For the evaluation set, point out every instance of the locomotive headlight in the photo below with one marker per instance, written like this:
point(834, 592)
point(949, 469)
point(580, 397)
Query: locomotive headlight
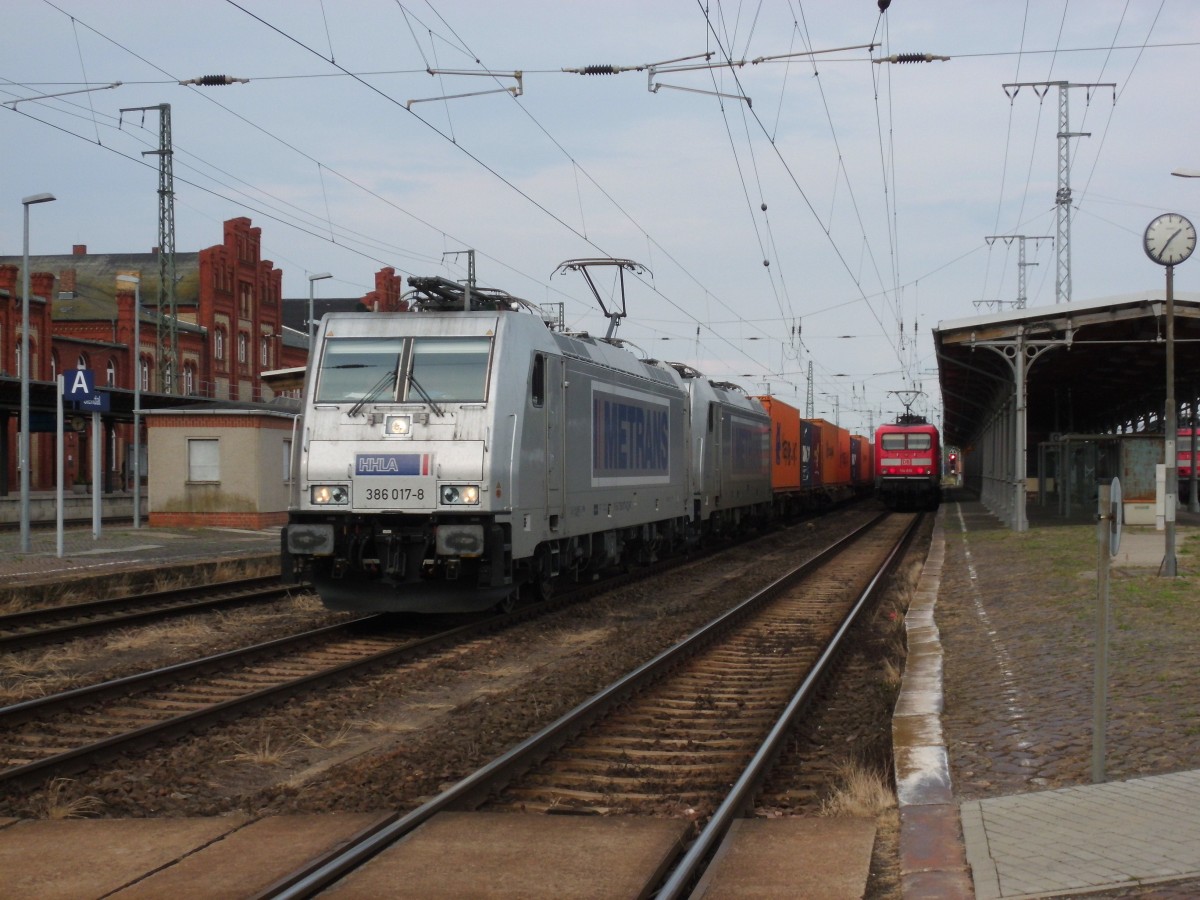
point(460, 494)
point(329, 495)
point(397, 424)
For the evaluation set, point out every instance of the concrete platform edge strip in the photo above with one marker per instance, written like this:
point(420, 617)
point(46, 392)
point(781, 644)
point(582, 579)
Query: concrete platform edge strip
point(933, 855)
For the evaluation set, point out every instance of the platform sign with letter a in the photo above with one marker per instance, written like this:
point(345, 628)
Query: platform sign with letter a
point(79, 386)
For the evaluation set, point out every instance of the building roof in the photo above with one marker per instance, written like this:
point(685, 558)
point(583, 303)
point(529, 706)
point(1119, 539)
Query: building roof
point(95, 294)
point(1090, 366)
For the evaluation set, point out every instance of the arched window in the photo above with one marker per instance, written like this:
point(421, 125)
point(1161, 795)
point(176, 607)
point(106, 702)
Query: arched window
point(110, 374)
point(189, 378)
point(219, 344)
point(241, 347)
point(265, 352)
point(53, 365)
point(82, 362)
point(144, 373)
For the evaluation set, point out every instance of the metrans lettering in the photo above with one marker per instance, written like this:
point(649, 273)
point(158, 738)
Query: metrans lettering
point(392, 463)
point(629, 436)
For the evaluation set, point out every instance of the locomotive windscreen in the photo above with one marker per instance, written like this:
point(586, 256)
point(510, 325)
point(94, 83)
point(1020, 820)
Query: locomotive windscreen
point(902, 440)
point(452, 368)
point(353, 368)
point(358, 369)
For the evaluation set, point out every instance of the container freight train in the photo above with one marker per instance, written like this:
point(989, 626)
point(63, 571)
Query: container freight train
point(908, 460)
point(450, 456)
point(814, 463)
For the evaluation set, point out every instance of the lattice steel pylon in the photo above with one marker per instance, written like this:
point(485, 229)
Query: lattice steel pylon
point(1019, 303)
point(168, 307)
point(808, 400)
point(1062, 197)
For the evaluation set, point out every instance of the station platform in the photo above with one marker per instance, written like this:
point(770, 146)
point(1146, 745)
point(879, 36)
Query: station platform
point(994, 748)
point(118, 549)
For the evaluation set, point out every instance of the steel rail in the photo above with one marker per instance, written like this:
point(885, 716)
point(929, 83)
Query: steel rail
point(80, 757)
point(741, 796)
point(248, 590)
point(325, 871)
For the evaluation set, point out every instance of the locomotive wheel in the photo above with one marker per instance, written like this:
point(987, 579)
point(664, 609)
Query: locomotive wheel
point(508, 604)
point(543, 583)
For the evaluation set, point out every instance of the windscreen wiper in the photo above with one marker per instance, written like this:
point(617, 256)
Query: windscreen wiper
point(412, 379)
point(388, 377)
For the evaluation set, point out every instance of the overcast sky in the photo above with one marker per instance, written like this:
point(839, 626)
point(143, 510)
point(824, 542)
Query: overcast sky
point(833, 217)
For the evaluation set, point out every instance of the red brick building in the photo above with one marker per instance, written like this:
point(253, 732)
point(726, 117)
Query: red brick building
point(229, 328)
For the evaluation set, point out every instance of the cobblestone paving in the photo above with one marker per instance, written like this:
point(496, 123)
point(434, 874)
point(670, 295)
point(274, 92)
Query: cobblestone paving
point(1017, 621)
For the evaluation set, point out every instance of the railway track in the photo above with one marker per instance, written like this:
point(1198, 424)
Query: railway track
point(33, 627)
point(712, 711)
point(49, 737)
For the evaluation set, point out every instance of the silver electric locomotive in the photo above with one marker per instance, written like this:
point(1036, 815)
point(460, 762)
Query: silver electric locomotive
point(449, 455)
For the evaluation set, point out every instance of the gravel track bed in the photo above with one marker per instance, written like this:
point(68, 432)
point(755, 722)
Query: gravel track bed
point(390, 740)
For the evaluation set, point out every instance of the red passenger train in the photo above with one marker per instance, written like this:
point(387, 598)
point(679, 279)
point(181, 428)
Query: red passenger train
point(908, 456)
point(1183, 459)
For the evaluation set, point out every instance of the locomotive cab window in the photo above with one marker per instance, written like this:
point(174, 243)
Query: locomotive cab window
point(910, 441)
point(355, 369)
point(450, 368)
point(388, 370)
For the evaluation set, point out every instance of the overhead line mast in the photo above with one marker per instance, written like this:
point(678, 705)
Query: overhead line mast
point(1062, 281)
point(168, 308)
point(1019, 303)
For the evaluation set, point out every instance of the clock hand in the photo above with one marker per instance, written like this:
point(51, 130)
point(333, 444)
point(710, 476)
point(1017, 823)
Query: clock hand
point(1178, 231)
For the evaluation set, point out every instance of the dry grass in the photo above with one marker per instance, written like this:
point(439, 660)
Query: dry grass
point(339, 739)
point(36, 673)
point(305, 604)
point(16, 688)
point(381, 726)
point(860, 791)
point(59, 806)
point(893, 675)
point(187, 629)
point(264, 754)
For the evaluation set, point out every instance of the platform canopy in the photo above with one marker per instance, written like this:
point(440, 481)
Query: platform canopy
point(1089, 367)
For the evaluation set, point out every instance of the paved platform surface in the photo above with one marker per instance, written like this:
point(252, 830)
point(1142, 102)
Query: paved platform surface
point(121, 548)
point(1141, 831)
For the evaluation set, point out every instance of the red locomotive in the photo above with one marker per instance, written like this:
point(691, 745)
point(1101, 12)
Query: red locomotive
point(908, 460)
point(1183, 451)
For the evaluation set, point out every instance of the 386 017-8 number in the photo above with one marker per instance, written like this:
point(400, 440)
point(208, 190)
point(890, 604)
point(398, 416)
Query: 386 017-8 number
point(395, 494)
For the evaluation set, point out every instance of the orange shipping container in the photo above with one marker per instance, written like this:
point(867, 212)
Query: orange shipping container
point(865, 471)
point(785, 444)
point(834, 450)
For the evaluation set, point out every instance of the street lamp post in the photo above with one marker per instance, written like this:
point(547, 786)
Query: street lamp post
point(23, 448)
point(136, 281)
point(312, 322)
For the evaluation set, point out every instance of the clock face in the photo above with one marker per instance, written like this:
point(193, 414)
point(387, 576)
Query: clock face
point(1169, 239)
